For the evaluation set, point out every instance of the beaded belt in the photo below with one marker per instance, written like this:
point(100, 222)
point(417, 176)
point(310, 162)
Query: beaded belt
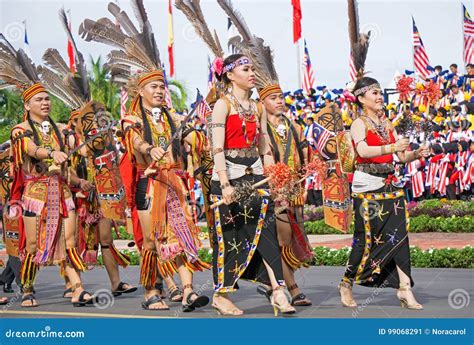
point(242, 153)
point(384, 168)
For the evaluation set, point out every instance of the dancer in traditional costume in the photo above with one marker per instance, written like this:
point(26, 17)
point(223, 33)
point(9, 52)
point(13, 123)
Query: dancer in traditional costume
point(11, 269)
point(154, 156)
point(288, 145)
point(245, 245)
point(380, 255)
point(103, 200)
point(40, 182)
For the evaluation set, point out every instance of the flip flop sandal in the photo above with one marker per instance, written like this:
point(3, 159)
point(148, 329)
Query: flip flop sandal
point(66, 292)
point(300, 301)
point(177, 292)
point(121, 289)
point(191, 305)
point(30, 298)
point(262, 290)
point(152, 300)
point(81, 302)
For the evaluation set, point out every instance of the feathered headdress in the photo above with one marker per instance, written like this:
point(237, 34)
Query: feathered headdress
point(137, 61)
point(359, 41)
point(254, 48)
point(72, 89)
point(17, 70)
point(193, 12)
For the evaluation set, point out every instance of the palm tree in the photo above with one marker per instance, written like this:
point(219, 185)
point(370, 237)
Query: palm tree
point(103, 89)
point(179, 95)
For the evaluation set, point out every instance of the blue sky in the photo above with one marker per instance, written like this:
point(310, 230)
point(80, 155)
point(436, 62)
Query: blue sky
point(324, 27)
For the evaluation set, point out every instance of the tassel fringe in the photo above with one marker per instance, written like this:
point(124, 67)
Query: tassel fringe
point(75, 260)
point(121, 259)
point(149, 269)
point(28, 272)
point(291, 260)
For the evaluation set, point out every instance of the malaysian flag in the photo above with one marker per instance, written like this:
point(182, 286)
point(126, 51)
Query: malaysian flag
point(468, 30)
point(203, 110)
point(308, 79)
point(320, 137)
point(420, 58)
point(352, 69)
point(123, 102)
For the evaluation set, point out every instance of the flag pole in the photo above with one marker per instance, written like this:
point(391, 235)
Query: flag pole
point(298, 62)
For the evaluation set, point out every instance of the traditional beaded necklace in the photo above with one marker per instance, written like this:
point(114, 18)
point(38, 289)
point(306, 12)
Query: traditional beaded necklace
point(246, 115)
point(162, 137)
point(380, 129)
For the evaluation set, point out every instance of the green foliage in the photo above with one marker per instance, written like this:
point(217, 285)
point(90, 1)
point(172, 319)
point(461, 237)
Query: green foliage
point(103, 89)
point(432, 258)
point(426, 223)
point(205, 254)
point(124, 235)
point(445, 257)
point(179, 95)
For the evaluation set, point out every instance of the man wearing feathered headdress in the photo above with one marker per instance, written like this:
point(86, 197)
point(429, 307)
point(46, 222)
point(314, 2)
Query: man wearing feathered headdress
point(40, 182)
point(164, 227)
point(101, 200)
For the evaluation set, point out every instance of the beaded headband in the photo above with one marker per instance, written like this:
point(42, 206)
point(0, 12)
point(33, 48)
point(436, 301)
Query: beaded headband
point(242, 61)
point(364, 89)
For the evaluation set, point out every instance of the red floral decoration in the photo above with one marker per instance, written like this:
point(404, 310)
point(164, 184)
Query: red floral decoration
point(405, 87)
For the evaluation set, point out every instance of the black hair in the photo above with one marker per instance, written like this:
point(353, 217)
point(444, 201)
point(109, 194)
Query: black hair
point(231, 58)
point(147, 130)
point(363, 82)
point(36, 139)
point(439, 67)
point(146, 126)
point(451, 147)
point(437, 149)
point(295, 136)
point(454, 65)
point(464, 145)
